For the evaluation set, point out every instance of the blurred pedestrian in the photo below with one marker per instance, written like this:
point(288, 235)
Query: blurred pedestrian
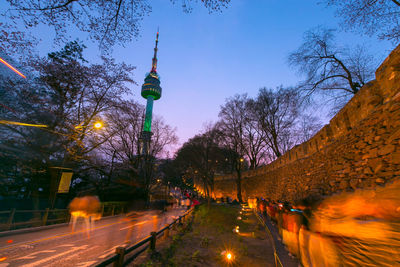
point(86, 207)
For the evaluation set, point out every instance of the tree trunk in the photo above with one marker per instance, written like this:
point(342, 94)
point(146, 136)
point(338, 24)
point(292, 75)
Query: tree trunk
point(239, 185)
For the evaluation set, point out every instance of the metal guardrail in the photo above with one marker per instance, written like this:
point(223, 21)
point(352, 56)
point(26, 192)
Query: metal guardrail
point(278, 262)
point(47, 216)
point(119, 260)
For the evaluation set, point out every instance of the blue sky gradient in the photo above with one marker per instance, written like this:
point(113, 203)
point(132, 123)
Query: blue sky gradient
point(205, 58)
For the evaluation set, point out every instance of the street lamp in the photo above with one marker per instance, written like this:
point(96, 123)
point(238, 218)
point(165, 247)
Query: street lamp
point(62, 182)
point(98, 125)
point(227, 255)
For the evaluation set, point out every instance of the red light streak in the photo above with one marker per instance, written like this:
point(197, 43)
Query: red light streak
point(12, 68)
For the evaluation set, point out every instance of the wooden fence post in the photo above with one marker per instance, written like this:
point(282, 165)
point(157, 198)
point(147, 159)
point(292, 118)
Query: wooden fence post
point(120, 261)
point(153, 240)
point(45, 216)
point(113, 207)
point(10, 219)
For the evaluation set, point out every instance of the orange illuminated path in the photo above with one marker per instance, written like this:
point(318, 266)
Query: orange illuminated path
point(59, 247)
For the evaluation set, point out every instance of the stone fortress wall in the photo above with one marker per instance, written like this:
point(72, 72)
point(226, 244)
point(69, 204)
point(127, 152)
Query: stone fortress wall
point(359, 148)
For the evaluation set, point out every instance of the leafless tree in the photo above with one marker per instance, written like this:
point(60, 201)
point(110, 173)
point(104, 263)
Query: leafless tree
point(307, 126)
point(256, 147)
point(329, 68)
point(125, 123)
point(232, 124)
point(380, 17)
point(163, 138)
point(277, 112)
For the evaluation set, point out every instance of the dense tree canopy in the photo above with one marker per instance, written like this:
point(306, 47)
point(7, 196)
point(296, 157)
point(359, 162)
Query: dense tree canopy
point(204, 156)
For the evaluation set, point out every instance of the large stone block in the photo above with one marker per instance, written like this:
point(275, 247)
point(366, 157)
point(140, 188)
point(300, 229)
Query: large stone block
point(387, 149)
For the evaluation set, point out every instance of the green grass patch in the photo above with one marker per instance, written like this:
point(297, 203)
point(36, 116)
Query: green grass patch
point(210, 233)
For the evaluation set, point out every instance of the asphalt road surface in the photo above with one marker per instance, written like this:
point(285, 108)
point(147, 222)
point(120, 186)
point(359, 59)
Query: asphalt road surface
point(60, 247)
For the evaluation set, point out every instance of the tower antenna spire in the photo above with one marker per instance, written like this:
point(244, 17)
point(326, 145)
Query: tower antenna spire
point(151, 91)
point(154, 64)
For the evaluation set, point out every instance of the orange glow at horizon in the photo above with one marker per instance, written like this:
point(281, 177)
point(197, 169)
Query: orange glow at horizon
point(12, 68)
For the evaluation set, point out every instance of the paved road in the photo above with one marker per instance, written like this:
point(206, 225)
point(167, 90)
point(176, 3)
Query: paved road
point(60, 247)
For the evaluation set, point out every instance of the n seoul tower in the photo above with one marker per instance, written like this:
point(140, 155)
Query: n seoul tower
point(151, 91)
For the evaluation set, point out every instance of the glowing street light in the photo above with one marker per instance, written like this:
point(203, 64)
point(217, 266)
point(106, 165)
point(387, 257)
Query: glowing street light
point(98, 125)
point(228, 256)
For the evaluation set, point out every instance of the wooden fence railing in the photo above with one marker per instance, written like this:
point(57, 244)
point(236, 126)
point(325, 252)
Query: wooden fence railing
point(122, 257)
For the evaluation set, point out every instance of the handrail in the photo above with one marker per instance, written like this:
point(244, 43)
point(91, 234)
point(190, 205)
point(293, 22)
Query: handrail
point(276, 257)
point(119, 258)
point(138, 244)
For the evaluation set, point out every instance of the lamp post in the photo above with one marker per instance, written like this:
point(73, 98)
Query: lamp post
point(58, 176)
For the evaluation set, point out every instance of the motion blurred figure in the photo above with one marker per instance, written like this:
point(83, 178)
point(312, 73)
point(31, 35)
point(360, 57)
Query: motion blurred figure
point(88, 208)
point(131, 218)
point(355, 229)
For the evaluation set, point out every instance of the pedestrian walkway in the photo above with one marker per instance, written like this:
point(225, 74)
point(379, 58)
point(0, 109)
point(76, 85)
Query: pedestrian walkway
point(284, 257)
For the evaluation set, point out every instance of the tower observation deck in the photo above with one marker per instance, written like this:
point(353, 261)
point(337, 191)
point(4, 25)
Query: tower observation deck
point(151, 91)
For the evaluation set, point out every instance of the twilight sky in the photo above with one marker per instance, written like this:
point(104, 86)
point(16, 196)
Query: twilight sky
point(205, 58)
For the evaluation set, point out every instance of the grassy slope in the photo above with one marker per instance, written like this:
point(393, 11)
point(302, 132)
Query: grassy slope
point(211, 233)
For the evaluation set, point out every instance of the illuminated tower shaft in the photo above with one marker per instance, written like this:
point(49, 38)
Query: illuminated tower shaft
point(151, 91)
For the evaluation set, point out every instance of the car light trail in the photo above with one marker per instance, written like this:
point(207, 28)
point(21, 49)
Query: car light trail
point(12, 68)
point(23, 124)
